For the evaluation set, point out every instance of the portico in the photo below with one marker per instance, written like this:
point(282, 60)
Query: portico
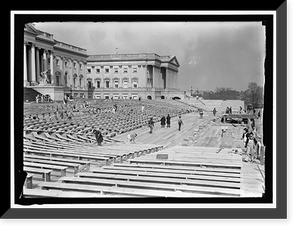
point(52, 63)
point(36, 61)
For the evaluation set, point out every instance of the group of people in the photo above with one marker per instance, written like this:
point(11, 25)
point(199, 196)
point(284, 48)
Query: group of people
point(252, 142)
point(163, 122)
point(42, 98)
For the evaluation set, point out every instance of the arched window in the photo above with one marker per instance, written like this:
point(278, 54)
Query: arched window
point(74, 80)
point(80, 80)
point(106, 82)
point(57, 78)
point(125, 82)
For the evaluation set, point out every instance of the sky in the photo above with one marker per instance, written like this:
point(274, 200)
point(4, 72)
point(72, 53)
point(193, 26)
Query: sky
point(211, 54)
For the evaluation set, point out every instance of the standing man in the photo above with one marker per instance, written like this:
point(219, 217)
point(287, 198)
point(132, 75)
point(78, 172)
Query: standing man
point(214, 111)
point(151, 125)
point(163, 122)
point(168, 120)
point(98, 136)
point(180, 122)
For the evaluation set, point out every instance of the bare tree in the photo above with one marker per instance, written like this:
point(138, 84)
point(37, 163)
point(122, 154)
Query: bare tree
point(253, 95)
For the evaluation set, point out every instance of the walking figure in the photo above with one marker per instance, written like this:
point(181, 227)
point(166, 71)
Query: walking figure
point(163, 122)
point(214, 111)
point(180, 122)
point(151, 125)
point(168, 120)
point(98, 136)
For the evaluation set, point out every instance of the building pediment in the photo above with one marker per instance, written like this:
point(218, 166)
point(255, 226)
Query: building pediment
point(30, 28)
point(174, 61)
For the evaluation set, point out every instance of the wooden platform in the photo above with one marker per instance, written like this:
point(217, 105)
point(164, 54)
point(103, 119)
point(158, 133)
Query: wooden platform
point(180, 172)
point(197, 161)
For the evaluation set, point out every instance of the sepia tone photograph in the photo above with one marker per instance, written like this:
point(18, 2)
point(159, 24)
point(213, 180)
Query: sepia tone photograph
point(144, 109)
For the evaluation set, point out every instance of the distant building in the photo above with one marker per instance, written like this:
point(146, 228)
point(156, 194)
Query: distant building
point(53, 67)
point(124, 76)
point(58, 69)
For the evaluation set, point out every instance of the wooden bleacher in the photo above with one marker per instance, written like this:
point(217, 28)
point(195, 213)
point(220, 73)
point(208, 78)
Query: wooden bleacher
point(187, 172)
point(202, 167)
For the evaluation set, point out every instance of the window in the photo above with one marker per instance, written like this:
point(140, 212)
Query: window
point(116, 70)
point(66, 63)
point(98, 84)
point(74, 65)
point(57, 62)
point(135, 84)
point(125, 70)
point(106, 70)
point(106, 84)
point(116, 83)
point(125, 83)
point(89, 84)
point(97, 70)
point(88, 70)
point(80, 66)
point(134, 70)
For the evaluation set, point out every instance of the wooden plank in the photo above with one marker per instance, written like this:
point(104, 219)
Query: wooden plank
point(115, 190)
point(46, 173)
point(175, 171)
point(35, 193)
point(66, 164)
point(183, 163)
point(212, 191)
point(62, 169)
point(163, 180)
point(168, 175)
point(64, 154)
point(42, 157)
point(215, 170)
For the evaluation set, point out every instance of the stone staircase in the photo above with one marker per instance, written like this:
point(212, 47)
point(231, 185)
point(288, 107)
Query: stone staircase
point(29, 94)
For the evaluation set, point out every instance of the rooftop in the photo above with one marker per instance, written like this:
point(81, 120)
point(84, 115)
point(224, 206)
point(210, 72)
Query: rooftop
point(134, 56)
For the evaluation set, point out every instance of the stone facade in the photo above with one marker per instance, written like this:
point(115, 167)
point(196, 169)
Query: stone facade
point(57, 68)
point(55, 64)
point(145, 75)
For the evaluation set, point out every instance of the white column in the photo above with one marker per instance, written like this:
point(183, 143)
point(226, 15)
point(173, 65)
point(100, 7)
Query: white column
point(33, 76)
point(153, 77)
point(25, 65)
point(44, 61)
point(51, 68)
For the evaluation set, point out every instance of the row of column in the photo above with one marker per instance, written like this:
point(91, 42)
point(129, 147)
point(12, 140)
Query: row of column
point(32, 64)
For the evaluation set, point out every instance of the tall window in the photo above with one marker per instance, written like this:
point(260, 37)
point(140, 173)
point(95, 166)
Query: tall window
point(116, 70)
point(88, 70)
point(134, 69)
point(97, 70)
point(125, 70)
point(98, 84)
point(106, 70)
point(135, 84)
point(116, 82)
point(106, 84)
point(125, 83)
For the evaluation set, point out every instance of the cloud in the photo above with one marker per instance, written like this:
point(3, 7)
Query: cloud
point(211, 54)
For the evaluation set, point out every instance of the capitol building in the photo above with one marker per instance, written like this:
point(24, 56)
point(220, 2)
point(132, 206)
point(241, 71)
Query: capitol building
point(58, 69)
